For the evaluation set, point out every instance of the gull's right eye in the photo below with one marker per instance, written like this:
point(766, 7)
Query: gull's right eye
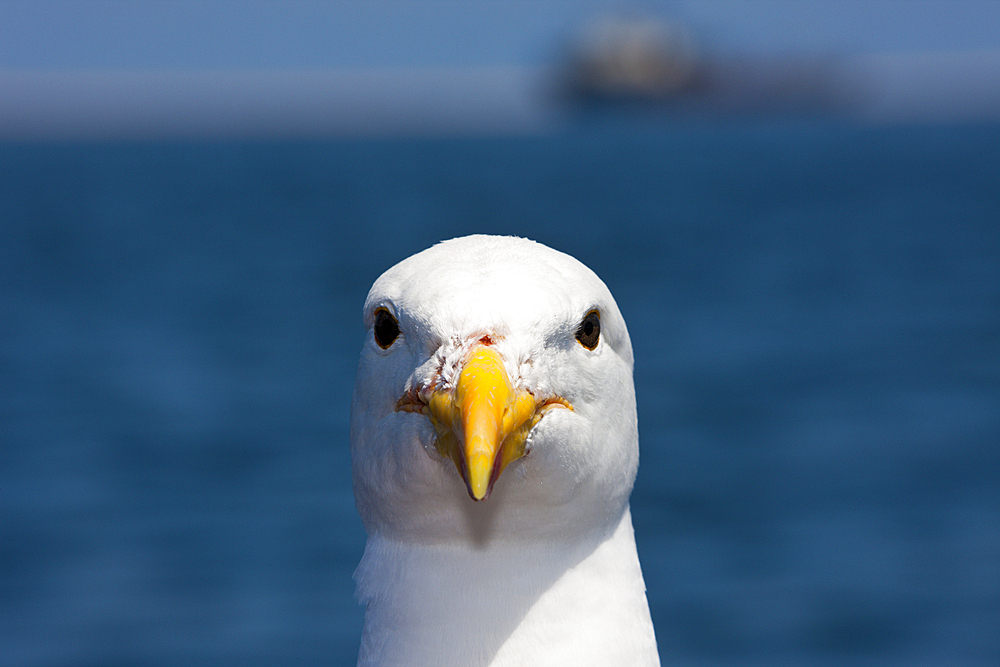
point(386, 328)
point(589, 331)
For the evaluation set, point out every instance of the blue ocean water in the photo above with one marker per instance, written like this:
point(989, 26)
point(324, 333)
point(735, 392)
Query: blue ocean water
point(814, 306)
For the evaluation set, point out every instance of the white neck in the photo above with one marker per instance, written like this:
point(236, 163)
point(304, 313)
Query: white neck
point(507, 603)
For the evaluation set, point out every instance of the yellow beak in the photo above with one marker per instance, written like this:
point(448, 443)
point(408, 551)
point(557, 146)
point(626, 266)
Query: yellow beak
point(482, 425)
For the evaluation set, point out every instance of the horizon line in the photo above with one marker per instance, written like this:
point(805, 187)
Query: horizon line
point(290, 103)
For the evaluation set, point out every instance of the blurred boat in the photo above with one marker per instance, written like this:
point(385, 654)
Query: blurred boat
point(650, 63)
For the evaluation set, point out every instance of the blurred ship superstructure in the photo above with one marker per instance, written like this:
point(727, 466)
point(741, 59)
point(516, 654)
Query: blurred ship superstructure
point(631, 59)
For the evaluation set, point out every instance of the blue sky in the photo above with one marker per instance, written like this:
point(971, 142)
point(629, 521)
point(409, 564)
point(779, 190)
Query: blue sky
point(187, 34)
point(141, 67)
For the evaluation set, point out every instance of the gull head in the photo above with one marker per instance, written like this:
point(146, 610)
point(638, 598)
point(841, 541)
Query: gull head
point(494, 396)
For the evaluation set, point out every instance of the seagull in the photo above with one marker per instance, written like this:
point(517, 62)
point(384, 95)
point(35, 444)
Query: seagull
point(494, 446)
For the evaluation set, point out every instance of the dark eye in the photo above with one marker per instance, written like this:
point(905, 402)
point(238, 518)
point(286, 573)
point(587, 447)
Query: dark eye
point(589, 332)
point(386, 328)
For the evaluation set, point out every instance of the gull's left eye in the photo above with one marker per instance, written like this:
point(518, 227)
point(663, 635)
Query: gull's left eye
point(386, 328)
point(589, 331)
